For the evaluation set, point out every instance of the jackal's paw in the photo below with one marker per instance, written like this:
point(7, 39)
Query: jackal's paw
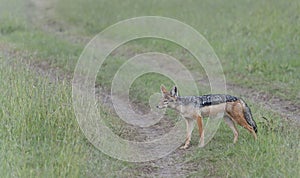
point(184, 147)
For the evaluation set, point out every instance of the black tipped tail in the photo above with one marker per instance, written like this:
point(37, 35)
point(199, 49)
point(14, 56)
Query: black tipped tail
point(248, 116)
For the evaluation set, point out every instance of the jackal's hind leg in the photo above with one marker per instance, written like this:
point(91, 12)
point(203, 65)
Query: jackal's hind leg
point(237, 114)
point(189, 130)
point(231, 124)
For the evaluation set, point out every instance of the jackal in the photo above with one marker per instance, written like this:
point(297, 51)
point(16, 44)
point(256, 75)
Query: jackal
point(196, 107)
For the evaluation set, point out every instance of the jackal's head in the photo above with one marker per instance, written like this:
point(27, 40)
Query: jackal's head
point(168, 99)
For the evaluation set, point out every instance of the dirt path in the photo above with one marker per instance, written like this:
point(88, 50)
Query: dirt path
point(41, 13)
point(173, 165)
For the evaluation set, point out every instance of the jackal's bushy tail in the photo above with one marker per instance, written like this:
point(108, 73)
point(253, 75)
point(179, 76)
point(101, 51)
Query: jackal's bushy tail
point(248, 116)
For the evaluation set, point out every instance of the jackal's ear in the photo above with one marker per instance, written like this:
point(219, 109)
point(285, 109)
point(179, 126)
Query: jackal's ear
point(174, 91)
point(163, 89)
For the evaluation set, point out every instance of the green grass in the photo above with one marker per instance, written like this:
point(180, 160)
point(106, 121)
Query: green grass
point(257, 44)
point(45, 47)
point(40, 137)
point(38, 129)
point(39, 134)
point(16, 30)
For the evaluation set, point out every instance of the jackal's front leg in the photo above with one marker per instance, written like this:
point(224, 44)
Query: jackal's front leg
point(201, 131)
point(189, 130)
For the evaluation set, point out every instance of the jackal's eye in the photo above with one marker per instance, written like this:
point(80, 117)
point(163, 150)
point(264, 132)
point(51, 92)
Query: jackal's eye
point(171, 99)
point(165, 101)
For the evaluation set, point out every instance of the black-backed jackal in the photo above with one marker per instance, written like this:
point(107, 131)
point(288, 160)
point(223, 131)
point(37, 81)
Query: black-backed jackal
point(196, 107)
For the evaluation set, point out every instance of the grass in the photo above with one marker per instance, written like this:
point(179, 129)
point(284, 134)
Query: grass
point(34, 125)
point(39, 134)
point(47, 47)
point(248, 48)
point(257, 44)
point(15, 29)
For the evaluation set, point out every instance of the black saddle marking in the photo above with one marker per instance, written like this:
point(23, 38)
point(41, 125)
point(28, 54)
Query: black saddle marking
point(207, 100)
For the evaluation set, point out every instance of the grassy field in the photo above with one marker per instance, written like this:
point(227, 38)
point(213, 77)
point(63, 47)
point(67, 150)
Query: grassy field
point(253, 40)
point(39, 134)
point(257, 44)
